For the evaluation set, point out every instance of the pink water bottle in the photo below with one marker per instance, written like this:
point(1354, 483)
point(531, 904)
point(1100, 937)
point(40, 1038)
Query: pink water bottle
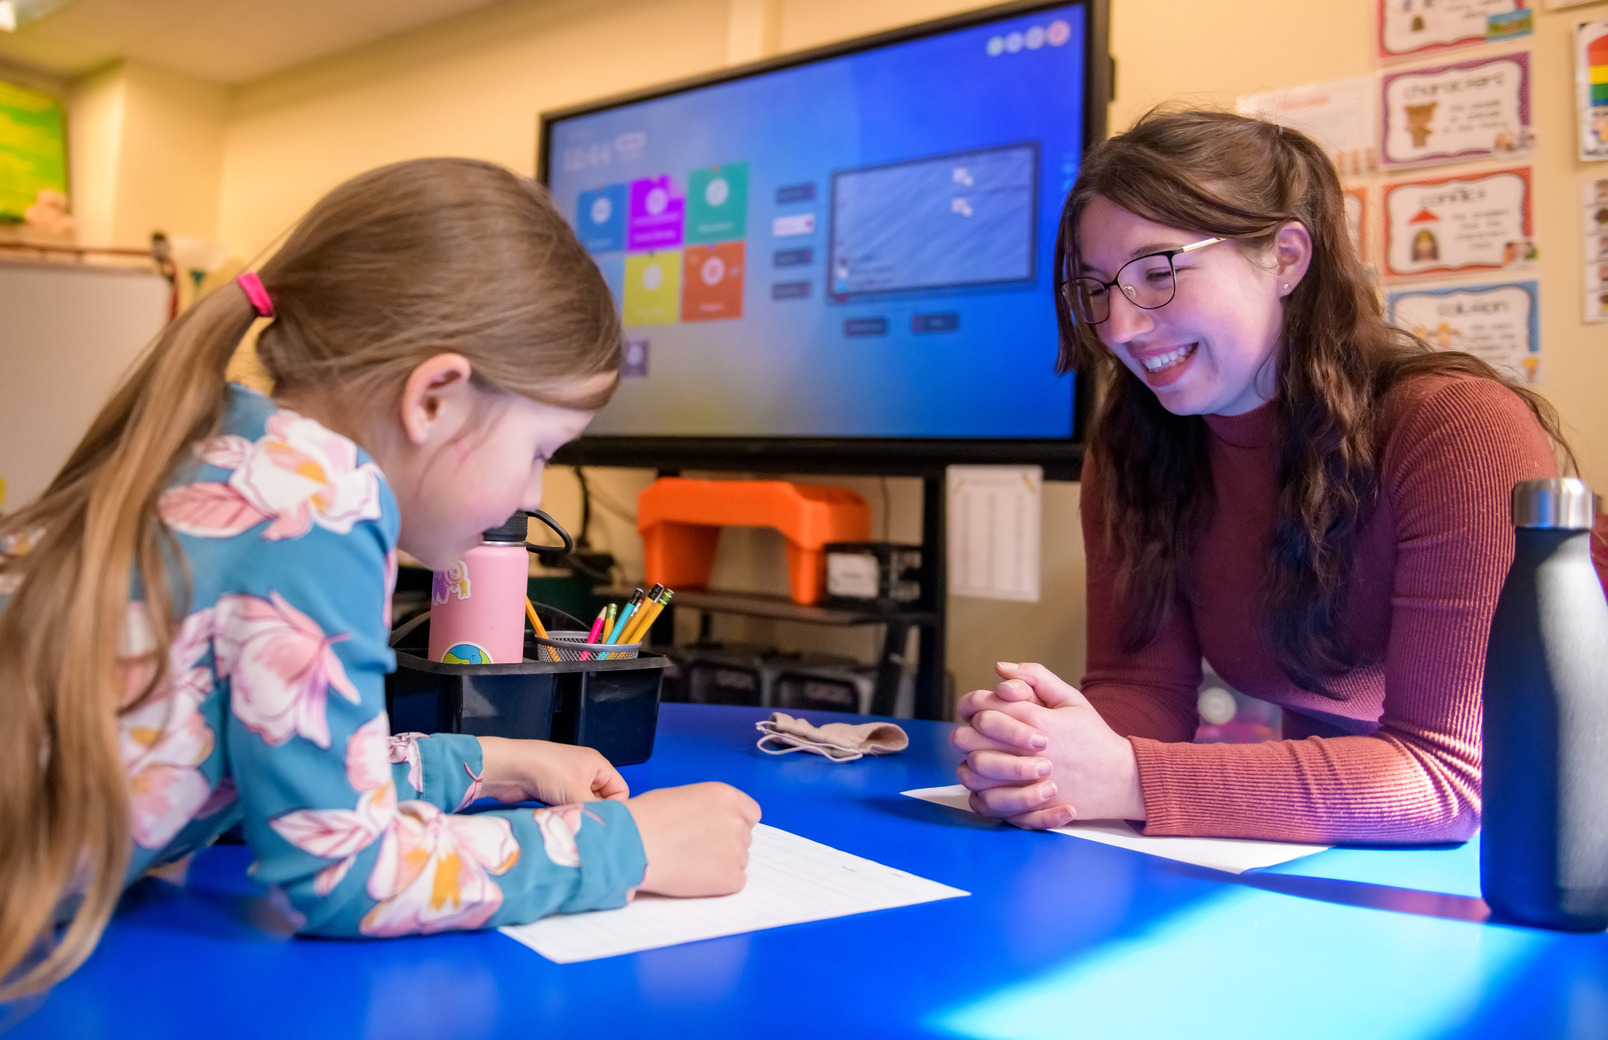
point(477, 608)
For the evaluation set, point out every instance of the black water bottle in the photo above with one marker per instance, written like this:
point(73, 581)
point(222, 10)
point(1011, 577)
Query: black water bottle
point(1544, 843)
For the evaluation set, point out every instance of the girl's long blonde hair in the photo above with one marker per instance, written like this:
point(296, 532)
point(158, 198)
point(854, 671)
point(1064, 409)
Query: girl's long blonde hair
point(392, 267)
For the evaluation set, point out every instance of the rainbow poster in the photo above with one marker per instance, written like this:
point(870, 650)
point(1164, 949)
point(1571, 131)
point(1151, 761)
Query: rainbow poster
point(1591, 70)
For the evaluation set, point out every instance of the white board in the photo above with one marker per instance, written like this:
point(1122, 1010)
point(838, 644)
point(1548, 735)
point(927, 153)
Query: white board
point(68, 332)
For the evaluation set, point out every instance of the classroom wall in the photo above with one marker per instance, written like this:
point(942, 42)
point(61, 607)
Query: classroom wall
point(146, 148)
point(473, 86)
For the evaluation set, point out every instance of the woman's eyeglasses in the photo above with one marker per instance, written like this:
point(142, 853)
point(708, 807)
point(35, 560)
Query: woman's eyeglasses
point(1152, 282)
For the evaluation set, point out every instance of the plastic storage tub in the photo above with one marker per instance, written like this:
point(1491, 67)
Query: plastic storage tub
point(610, 705)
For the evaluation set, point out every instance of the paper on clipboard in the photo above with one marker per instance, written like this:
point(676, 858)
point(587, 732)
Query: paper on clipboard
point(1235, 855)
point(790, 880)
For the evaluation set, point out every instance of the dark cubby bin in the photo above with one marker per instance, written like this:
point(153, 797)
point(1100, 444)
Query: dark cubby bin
point(612, 706)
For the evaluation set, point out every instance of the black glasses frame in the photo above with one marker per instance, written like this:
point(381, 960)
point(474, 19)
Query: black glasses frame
point(1131, 292)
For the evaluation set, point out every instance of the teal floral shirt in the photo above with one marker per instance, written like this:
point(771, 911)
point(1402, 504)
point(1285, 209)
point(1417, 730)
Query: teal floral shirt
point(273, 713)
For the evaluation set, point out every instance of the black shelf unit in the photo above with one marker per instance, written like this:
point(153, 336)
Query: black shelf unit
point(926, 615)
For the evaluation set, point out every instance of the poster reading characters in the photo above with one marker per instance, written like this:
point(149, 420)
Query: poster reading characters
point(1412, 27)
point(1477, 222)
point(1591, 78)
point(1452, 113)
point(1499, 323)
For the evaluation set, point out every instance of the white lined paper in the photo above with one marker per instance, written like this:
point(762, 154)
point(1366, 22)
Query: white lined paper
point(791, 880)
point(1235, 855)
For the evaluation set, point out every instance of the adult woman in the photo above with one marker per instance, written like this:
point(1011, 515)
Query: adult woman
point(1279, 480)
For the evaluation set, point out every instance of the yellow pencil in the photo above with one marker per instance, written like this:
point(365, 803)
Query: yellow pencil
point(541, 630)
point(646, 617)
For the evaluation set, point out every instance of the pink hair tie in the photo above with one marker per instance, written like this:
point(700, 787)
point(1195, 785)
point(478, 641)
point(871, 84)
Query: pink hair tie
point(256, 294)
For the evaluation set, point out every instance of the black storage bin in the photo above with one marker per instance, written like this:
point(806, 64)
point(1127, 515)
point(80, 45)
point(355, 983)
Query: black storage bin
point(612, 706)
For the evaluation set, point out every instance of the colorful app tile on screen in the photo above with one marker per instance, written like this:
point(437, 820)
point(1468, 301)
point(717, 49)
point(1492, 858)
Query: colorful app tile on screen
point(653, 288)
point(657, 209)
point(717, 203)
point(712, 282)
point(634, 358)
point(600, 218)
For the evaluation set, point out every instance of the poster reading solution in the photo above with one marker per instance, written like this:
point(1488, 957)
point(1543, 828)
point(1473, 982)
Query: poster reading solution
point(1409, 27)
point(1451, 113)
point(1498, 323)
point(1478, 222)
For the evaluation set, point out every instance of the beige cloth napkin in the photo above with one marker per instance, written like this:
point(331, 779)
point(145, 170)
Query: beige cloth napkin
point(838, 741)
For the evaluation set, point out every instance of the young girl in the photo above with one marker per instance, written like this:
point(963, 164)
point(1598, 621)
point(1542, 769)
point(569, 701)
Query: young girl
point(1276, 479)
point(196, 631)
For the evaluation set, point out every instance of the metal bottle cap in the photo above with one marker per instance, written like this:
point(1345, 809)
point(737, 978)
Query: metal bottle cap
point(1555, 502)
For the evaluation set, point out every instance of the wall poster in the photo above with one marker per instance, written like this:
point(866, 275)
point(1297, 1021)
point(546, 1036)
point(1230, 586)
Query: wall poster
point(1415, 27)
point(33, 149)
point(1499, 323)
point(1594, 229)
point(1340, 115)
point(1591, 78)
point(1475, 222)
point(1356, 203)
point(1452, 113)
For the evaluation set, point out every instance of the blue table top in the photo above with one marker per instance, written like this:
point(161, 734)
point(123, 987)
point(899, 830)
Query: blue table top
point(1060, 937)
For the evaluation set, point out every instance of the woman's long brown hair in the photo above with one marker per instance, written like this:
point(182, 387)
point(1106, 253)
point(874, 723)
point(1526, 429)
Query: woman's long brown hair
point(1238, 178)
point(390, 268)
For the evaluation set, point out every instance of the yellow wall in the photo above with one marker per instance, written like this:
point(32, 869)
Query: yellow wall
point(472, 88)
point(146, 147)
point(475, 85)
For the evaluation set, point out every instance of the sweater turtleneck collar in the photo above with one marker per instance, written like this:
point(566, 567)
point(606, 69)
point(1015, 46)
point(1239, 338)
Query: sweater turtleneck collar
point(1253, 429)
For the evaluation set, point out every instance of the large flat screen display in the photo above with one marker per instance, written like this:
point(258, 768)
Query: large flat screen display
point(853, 245)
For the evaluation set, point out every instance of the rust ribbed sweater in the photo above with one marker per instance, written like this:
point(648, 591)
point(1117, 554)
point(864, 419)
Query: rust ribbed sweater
point(1397, 757)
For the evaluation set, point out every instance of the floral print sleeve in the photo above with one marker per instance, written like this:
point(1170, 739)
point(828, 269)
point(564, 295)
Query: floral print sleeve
point(278, 705)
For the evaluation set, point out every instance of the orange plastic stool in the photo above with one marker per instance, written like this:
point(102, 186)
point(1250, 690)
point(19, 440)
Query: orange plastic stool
point(680, 521)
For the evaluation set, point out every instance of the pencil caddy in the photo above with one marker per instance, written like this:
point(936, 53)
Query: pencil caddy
point(610, 703)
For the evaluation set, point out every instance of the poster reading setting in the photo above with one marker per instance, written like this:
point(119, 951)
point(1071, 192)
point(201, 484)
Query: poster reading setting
point(1408, 27)
point(1451, 113)
point(1499, 323)
point(1479, 222)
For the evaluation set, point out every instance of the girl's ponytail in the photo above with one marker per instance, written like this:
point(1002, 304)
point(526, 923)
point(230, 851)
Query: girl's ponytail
point(66, 561)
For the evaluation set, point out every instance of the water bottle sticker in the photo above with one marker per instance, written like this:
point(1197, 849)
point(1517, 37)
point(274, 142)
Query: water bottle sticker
point(466, 653)
point(449, 583)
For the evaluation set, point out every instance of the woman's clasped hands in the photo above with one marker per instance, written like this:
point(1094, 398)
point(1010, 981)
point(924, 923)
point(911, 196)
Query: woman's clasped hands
point(1039, 755)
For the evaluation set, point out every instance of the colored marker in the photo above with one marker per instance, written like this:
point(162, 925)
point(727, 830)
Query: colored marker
point(597, 629)
point(631, 632)
point(625, 618)
point(597, 626)
point(596, 636)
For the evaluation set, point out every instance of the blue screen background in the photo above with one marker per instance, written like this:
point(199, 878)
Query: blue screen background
point(732, 325)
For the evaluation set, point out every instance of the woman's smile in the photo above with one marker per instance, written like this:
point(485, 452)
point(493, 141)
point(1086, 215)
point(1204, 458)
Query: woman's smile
point(1165, 368)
